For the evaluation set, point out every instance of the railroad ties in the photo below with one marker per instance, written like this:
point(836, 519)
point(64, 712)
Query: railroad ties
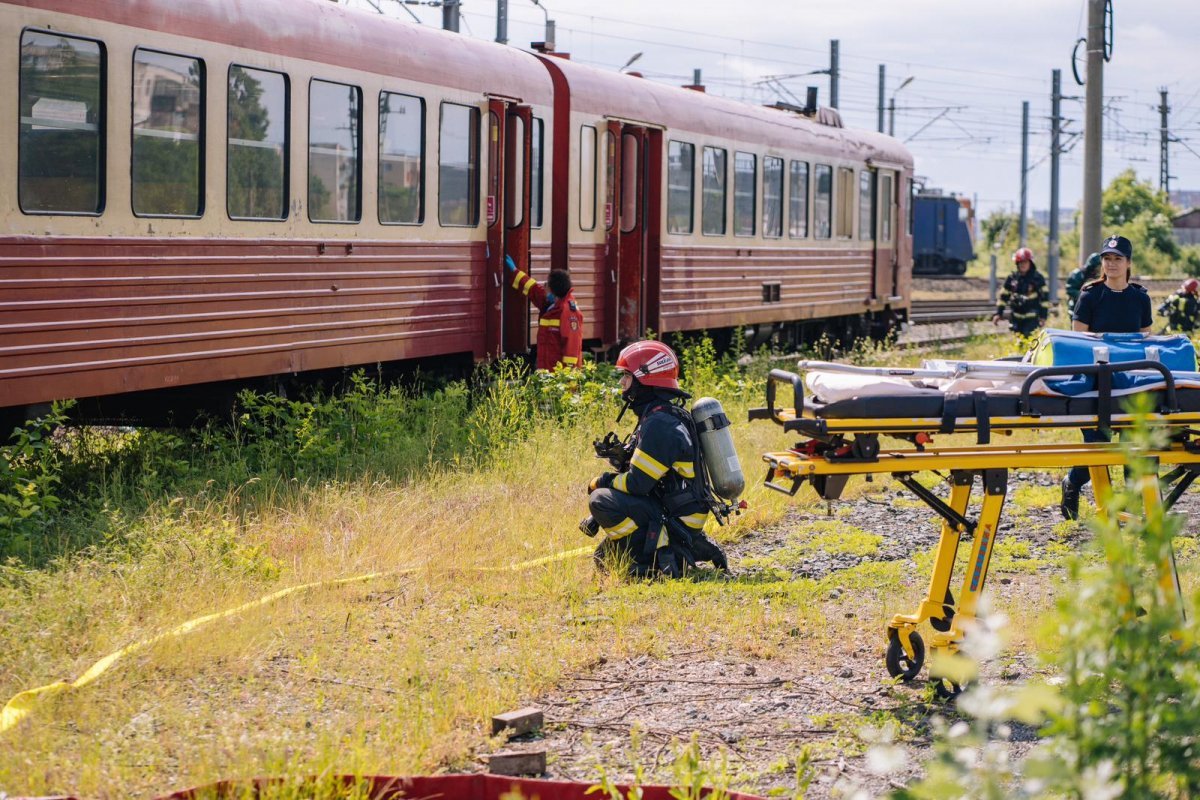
point(953, 310)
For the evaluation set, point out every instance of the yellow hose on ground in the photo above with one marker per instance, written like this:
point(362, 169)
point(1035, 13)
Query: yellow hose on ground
point(21, 705)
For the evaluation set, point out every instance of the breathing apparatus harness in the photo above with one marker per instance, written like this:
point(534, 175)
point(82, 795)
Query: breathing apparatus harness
point(698, 495)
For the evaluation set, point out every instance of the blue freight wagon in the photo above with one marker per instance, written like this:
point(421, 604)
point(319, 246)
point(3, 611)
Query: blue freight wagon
point(943, 234)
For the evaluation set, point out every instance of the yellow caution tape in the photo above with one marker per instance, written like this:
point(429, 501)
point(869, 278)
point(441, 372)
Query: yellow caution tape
point(22, 704)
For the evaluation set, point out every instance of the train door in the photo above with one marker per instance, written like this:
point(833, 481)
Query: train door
point(631, 215)
point(510, 140)
point(886, 252)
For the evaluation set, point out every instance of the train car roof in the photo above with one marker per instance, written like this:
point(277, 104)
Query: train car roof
point(322, 31)
point(632, 98)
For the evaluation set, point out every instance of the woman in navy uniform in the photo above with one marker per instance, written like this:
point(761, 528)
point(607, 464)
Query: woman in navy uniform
point(1111, 304)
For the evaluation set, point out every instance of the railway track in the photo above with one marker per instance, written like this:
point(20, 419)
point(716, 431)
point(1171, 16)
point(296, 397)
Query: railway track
point(953, 310)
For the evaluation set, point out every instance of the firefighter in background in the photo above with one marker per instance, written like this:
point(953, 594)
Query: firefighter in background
point(1182, 309)
point(1025, 296)
point(653, 511)
point(560, 322)
point(1090, 271)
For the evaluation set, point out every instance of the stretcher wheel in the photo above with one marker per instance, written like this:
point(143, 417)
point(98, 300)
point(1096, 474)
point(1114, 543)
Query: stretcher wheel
point(946, 689)
point(899, 665)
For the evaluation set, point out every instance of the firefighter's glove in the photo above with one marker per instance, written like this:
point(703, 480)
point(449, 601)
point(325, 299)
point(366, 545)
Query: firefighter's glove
point(509, 265)
point(601, 481)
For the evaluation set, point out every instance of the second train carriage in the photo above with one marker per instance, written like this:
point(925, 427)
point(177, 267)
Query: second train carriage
point(688, 212)
point(207, 193)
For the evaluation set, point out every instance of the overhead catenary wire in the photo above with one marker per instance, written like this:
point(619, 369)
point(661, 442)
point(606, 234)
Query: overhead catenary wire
point(987, 125)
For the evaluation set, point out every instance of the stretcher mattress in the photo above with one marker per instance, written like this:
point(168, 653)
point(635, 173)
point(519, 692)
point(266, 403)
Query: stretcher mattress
point(934, 404)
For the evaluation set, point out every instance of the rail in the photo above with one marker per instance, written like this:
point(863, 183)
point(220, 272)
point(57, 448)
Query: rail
point(955, 310)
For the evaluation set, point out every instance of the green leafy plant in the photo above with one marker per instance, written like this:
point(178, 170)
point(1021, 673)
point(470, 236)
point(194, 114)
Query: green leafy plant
point(30, 476)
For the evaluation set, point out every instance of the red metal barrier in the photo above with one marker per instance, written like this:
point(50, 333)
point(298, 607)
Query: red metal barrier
point(441, 787)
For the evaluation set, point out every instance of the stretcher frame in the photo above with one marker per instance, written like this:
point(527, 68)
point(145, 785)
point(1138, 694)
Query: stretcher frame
point(836, 449)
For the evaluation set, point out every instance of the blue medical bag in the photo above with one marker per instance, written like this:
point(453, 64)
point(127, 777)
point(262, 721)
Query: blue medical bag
point(1060, 348)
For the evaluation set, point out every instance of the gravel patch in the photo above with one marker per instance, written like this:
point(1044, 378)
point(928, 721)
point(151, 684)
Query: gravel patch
point(761, 713)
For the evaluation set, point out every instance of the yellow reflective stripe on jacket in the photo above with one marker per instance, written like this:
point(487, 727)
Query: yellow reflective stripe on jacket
point(622, 529)
point(684, 469)
point(695, 520)
point(518, 276)
point(647, 464)
point(663, 538)
point(569, 359)
point(619, 482)
point(529, 284)
point(550, 323)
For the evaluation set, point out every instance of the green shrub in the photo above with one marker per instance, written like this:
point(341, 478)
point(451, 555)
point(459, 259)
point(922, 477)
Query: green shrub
point(30, 475)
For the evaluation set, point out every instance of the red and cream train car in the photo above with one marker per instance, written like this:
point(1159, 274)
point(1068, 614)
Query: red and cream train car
point(209, 193)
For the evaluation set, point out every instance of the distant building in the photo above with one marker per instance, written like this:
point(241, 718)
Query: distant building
point(1185, 198)
point(1187, 226)
point(1066, 218)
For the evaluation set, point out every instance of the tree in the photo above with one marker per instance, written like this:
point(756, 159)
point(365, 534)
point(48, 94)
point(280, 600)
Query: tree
point(1142, 214)
point(1001, 234)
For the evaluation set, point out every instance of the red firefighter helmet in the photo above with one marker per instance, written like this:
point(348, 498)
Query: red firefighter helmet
point(1191, 286)
point(1023, 254)
point(652, 363)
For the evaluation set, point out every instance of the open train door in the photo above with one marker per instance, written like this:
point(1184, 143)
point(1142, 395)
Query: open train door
point(510, 140)
point(886, 223)
point(631, 215)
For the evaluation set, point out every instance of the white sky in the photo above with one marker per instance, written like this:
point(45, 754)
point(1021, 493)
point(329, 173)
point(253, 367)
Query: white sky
point(972, 64)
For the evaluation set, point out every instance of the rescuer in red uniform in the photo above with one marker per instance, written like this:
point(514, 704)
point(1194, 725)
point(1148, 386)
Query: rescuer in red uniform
point(560, 322)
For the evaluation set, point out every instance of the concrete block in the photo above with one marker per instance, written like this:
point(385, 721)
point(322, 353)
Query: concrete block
point(521, 721)
point(508, 762)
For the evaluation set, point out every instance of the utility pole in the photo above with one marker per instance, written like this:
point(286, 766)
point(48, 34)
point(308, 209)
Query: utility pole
point(1055, 134)
point(502, 21)
point(1164, 138)
point(450, 15)
point(1093, 130)
point(881, 81)
point(1023, 227)
point(833, 73)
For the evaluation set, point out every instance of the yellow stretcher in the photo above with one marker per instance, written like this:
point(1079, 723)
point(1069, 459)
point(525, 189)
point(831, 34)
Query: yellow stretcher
point(837, 445)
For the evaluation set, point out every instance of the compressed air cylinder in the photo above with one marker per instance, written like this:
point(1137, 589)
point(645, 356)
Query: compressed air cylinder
point(716, 444)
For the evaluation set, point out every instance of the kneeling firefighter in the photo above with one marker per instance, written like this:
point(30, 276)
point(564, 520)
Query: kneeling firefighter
point(672, 472)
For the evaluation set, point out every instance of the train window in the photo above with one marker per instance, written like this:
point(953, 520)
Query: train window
point(401, 159)
point(536, 175)
point(168, 123)
point(823, 201)
point(514, 166)
point(887, 207)
point(681, 186)
point(844, 202)
point(798, 200)
point(629, 182)
point(61, 142)
point(866, 205)
point(256, 176)
point(458, 166)
point(745, 176)
point(587, 178)
point(712, 208)
point(772, 197)
point(334, 152)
